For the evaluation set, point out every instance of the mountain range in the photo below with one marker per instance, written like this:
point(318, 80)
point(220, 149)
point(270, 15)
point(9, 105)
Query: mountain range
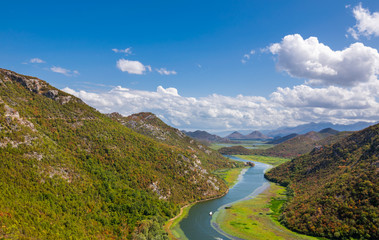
point(255, 135)
point(206, 137)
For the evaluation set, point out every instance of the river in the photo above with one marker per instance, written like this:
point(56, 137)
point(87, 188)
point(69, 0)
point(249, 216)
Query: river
point(198, 226)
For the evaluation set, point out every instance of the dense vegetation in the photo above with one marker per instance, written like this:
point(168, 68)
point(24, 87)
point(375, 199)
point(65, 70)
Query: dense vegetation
point(335, 190)
point(302, 144)
point(70, 172)
point(235, 150)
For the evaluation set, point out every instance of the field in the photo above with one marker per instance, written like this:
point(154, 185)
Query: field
point(230, 176)
point(257, 218)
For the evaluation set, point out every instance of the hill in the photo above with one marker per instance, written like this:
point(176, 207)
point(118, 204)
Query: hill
point(204, 136)
point(148, 124)
point(235, 150)
point(68, 171)
point(335, 189)
point(278, 140)
point(309, 127)
point(255, 135)
point(301, 144)
point(235, 135)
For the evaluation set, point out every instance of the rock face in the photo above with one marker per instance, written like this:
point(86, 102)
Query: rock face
point(36, 85)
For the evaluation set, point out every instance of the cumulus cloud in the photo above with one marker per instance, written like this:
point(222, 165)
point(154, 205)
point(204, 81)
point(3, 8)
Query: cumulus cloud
point(367, 23)
point(132, 67)
point(310, 59)
point(36, 60)
point(127, 51)
point(64, 71)
point(164, 71)
point(285, 106)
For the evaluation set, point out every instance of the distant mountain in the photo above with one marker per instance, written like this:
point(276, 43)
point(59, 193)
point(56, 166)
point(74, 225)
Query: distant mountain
point(278, 140)
point(69, 172)
point(235, 150)
point(255, 135)
point(206, 137)
point(334, 189)
point(301, 144)
point(302, 129)
point(329, 130)
point(235, 135)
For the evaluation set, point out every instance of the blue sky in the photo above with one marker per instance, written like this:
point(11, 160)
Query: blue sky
point(203, 64)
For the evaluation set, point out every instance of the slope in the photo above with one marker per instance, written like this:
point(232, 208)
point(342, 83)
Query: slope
point(206, 137)
point(68, 171)
point(301, 144)
point(335, 189)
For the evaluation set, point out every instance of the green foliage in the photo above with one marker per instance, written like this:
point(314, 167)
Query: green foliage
point(301, 144)
point(70, 172)
point(335, 190)
point(235, 150)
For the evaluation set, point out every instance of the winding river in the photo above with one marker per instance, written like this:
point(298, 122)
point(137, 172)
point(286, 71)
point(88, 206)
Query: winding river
point(198, 225)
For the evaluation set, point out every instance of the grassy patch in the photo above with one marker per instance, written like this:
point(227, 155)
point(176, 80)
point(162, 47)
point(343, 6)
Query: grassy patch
point(230, 176)
point(275, 161)
point(172, 227)
point(257, 218)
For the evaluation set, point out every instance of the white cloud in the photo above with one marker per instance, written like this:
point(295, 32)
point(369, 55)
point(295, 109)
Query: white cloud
point(367, 23)
point(164, 71)
point(64, 71)
point(310, 59)
point(247, 56)
point(132, 67)
point(36, 60)
point(285, 106)
point(127, 51)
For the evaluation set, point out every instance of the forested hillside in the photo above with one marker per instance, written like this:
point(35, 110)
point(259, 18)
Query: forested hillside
point(150, 125)
point(68, 171)
point(335, 190)
point(302, 144)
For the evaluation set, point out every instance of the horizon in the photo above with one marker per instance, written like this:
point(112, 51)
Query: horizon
point(246, 65)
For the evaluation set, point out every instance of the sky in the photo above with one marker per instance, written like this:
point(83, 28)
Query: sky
point(209, 65)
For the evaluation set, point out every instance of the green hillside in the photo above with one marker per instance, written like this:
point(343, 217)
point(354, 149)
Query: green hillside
point(301, 144)
point(335, 189)
point(148, 124)
point(70, 172)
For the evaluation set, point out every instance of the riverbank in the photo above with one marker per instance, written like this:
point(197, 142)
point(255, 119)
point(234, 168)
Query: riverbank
point(230, 176)
point(257, 218)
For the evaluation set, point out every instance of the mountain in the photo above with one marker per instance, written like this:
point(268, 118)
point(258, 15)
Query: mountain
point(278, 140)
point(235, 135)
point(329, 130)
point(334, 188)
point(302, 129)
point(301, 144)
point(150, 125)
point(206, 137)
point(255, 135)
point(68, 171)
